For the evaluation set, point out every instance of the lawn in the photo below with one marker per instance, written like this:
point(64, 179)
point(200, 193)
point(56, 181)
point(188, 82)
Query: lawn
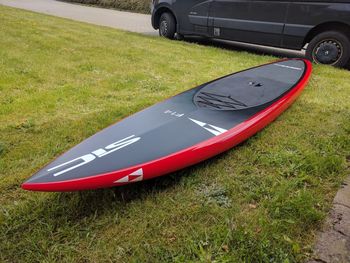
point(62, 81)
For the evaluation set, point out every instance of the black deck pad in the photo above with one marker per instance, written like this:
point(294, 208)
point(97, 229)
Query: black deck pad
point(248, 89)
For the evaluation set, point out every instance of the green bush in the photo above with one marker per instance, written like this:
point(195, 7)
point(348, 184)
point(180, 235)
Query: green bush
point(141, 6)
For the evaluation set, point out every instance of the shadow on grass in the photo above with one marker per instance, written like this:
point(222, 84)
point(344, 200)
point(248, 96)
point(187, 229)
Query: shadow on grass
point(245, 47)
point(86, 203)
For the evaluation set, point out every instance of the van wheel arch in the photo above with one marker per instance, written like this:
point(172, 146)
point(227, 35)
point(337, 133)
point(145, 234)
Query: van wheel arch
point(328, 26)
point(159, 13)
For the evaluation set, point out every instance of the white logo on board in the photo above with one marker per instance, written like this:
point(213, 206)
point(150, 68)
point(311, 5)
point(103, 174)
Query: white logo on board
point(133, 177)
point(87, 158)
point(174, 113)
point(210, 128)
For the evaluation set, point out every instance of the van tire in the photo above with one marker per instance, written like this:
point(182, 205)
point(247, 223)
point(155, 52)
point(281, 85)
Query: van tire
point(329, 47)
point(167, 25)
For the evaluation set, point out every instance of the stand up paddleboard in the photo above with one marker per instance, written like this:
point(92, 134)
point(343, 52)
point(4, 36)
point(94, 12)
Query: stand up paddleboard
point(181, 131)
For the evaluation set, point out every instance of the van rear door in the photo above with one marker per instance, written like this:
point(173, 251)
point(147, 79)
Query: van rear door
point(252, 21)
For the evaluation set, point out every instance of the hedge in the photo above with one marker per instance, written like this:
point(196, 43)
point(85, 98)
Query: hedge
point(140, 6)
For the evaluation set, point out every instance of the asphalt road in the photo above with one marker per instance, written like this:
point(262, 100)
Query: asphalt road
point(139, 23)
point(133, 22)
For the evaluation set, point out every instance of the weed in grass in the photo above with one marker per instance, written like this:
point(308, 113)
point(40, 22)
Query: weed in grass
point(213, 194)
point(2, 148)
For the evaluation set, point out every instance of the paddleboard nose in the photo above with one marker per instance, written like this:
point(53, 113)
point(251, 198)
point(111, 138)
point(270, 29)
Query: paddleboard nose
point(42, 185)
point(32, 187)
point(36, 183)
point(28, 186)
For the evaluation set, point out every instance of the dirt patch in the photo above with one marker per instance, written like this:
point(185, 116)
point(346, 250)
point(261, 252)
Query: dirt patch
point(333, 243)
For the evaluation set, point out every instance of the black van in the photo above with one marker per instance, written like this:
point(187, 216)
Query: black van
point(322, 26)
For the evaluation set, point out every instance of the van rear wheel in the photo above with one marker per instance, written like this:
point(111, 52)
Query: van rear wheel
point(330, 48)
point(167, 26)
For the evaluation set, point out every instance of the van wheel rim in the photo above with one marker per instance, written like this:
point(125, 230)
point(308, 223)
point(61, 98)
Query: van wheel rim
point(163, 28)
point(327, 52)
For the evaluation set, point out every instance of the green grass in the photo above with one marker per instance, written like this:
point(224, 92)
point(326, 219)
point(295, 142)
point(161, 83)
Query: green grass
point(62, 81)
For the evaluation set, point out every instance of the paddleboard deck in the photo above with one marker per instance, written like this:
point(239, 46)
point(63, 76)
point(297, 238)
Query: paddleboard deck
point(178, 132)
